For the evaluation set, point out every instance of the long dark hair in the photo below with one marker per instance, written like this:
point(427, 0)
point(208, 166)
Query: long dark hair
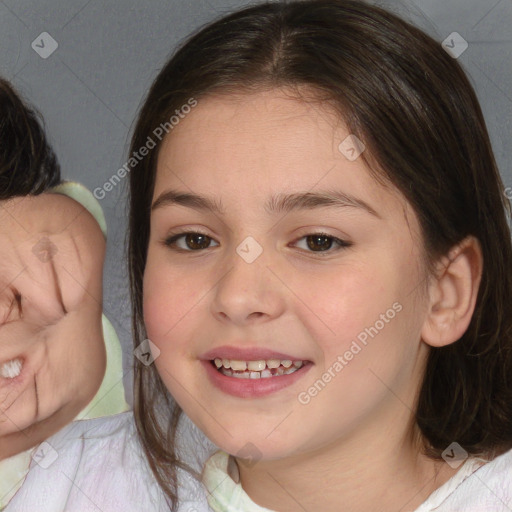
point(415, 110)
point(28, 165)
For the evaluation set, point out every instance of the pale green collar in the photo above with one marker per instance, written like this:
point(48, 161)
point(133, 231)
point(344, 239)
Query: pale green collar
point(85, 197)
point(224, 493)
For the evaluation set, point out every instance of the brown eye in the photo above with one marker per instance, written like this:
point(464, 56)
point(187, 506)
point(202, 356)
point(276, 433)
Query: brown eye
point(197, 241)
point(319, 242)
point(190, 242)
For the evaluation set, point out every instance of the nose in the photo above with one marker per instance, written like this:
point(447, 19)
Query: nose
point(248, 292)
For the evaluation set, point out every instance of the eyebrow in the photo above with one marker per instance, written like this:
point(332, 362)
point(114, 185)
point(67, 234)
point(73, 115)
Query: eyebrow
point(280, 203)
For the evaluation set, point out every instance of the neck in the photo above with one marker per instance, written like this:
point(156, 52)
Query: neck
point(369, 470)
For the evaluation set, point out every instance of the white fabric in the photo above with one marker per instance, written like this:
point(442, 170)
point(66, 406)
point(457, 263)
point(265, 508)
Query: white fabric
point(476, 487)
point(101, 467)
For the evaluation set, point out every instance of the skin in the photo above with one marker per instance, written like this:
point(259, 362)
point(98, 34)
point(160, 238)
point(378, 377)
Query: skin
point(50, 314)
point(356, 438)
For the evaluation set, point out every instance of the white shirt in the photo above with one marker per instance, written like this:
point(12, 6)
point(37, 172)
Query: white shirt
point(98, 465)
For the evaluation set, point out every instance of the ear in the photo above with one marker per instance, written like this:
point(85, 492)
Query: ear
point(453, 293)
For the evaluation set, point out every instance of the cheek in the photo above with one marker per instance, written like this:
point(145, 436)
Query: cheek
point(364, 310)
point(169, 299)
point(338, 305)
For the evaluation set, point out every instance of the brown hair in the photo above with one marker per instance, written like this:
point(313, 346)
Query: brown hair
point(414, 108)
point(28, 165)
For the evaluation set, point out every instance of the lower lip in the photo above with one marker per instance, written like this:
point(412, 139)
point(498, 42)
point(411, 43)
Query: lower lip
point(252, 388)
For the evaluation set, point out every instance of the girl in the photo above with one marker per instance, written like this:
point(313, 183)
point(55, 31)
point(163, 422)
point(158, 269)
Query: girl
point(319, 259)
point(320, 256)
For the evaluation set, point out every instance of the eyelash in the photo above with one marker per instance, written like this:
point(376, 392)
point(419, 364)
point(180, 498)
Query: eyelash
point(341, 244)
point(11, 306)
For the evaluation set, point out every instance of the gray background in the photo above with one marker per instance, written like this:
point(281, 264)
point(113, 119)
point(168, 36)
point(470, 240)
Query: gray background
point(90, 88)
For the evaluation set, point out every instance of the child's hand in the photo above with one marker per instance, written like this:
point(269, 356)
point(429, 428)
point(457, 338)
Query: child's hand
point(51, 260)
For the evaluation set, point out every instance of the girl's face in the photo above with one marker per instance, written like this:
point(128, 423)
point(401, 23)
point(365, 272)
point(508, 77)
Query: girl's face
point(271, 245)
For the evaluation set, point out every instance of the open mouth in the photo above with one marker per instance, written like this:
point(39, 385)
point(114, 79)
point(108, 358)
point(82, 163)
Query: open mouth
point(11, 369)
point(259, 369)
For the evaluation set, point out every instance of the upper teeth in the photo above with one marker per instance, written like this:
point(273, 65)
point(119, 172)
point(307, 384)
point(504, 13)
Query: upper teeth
point(11, 369)
point(255, 366)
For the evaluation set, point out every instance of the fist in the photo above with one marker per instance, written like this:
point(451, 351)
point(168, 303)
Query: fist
point(52, 353)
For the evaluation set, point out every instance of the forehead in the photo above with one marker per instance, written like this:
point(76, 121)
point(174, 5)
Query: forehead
point(258, 144)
